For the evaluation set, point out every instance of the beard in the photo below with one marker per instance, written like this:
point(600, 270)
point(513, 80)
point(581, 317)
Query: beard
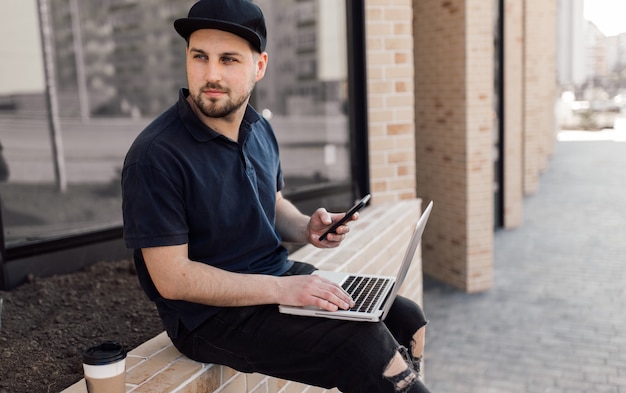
point(213, 109)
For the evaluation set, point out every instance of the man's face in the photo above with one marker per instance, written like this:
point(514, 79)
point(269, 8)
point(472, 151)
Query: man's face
point(222, 70)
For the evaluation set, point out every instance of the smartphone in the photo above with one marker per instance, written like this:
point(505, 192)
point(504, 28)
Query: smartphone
point(359, 205)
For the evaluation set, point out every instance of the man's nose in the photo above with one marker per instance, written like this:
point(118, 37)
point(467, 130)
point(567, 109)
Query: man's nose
point(212, 72)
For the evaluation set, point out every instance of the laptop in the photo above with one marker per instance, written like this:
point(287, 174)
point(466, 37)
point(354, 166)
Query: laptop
point(373, 294)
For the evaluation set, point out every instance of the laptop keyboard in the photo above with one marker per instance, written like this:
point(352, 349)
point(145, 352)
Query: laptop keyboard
point(365, 291)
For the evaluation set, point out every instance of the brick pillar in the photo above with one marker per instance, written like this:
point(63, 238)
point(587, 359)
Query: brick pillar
point(540, 89)
point(454, 83)
point(513, 47)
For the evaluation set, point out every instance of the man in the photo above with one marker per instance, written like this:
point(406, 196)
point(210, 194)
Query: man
point(204, 212)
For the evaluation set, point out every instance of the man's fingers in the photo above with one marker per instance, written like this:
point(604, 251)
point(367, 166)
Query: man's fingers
point(335, 297)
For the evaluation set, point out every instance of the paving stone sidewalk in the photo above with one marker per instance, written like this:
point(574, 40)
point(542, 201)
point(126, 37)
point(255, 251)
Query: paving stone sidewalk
point(555, 320)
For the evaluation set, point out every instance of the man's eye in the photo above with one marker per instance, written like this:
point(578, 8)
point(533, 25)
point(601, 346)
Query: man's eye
point(200, 56)
point(229, 59)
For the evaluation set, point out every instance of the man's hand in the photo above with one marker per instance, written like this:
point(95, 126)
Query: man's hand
point(320, 221)
point(312, 290)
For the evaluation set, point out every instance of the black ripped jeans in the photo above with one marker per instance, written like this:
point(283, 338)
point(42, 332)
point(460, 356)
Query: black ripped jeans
point(351, 356)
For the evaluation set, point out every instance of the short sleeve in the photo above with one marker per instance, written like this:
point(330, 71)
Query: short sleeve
point(153, 208)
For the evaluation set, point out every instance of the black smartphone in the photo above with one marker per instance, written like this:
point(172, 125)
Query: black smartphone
point(359, 205)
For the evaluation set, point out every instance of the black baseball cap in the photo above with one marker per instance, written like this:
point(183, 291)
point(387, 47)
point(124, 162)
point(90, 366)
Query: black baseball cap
point(239, 17)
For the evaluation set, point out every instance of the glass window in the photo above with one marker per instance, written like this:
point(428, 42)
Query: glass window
point(304, 91)
point(114, 66)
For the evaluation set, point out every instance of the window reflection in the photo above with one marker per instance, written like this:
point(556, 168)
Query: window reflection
point(305, 89)
point(118, 64)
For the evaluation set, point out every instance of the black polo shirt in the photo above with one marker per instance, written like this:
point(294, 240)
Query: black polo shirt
point(184, 183)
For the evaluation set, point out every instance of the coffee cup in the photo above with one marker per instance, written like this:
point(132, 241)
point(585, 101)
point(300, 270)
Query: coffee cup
point(105, 368)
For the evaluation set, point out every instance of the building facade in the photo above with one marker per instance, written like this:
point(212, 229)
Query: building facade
point(571, 36)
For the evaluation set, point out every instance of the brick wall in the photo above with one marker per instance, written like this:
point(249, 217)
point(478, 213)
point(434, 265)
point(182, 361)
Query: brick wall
point(390, 83)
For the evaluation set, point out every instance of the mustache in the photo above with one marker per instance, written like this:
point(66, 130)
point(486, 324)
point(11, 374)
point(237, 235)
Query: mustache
point(215, 86)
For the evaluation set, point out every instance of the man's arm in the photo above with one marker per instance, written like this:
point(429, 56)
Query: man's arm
point(299, 228)
point(290, 222)
point(176, 277)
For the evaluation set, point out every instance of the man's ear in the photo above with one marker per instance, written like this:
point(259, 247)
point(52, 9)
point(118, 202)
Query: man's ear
point(261, 64)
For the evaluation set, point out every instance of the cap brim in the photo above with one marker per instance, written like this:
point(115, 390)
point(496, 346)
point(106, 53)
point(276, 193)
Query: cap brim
point(186, 26)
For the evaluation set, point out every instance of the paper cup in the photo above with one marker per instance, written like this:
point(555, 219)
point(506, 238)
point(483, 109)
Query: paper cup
point(105, 368)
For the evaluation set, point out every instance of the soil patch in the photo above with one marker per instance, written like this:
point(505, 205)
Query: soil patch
point(47, 323)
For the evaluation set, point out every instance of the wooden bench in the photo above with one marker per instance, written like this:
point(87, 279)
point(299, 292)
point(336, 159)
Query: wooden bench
point(376, 244)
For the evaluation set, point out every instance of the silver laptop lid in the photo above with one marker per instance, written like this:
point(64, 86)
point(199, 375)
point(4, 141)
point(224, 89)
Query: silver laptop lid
point(408, 257)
